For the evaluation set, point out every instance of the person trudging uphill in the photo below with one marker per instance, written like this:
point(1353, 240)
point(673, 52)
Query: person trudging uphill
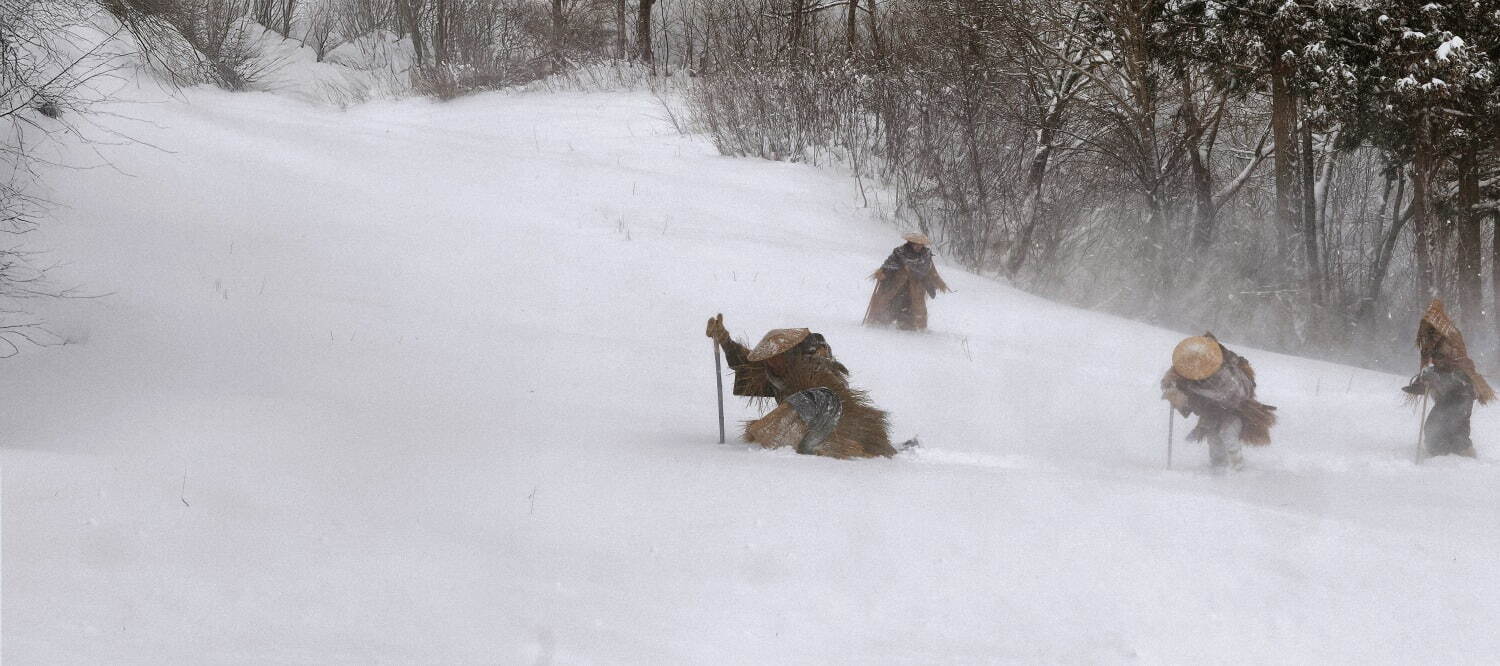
point(1447, 375)
point(1219, 386)
point(816, 413)
point(903, 284)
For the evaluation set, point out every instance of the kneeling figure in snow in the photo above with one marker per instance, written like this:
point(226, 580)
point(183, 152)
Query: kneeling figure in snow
point(1219, 386)
point(817, 413)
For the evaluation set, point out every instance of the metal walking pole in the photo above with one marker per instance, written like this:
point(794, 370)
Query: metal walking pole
point(1170, 423)
point(1422, 426)
point(719, 382)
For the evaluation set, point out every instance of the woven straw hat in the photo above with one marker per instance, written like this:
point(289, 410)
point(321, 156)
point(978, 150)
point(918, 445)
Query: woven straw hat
point(1437, 336)
point(1197, 357)
point(1439, 321)
point(915, 237)
point(778, 340)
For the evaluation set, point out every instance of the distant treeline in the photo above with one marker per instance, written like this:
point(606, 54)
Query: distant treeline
point(1300, 174)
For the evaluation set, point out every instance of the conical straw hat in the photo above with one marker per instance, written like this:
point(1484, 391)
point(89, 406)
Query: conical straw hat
point(1197, 357)
point(778, 340)
point(915, 237)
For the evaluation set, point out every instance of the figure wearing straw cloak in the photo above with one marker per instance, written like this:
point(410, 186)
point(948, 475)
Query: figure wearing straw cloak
point(816, 413)
point(903, 284)
point(1219, 386)
point(1446, 374)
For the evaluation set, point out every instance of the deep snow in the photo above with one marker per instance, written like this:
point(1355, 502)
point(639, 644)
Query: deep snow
point(427, 383)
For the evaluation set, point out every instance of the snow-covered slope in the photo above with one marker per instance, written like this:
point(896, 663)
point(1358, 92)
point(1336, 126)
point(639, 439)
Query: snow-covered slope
point(422, 383)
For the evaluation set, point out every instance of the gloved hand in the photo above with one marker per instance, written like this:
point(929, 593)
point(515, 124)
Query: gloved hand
point(1418, 384)
point(716, 329)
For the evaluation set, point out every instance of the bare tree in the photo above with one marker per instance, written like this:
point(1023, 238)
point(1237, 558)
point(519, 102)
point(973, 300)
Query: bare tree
point(322, 26)
point(51, 71)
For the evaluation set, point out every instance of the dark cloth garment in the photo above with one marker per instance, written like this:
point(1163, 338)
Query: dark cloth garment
point(903, 284)
point(1224, 402)
point(918, 260)
point(820, 409)
point(751, 380)
point(1217, 398)
point(1452, 394)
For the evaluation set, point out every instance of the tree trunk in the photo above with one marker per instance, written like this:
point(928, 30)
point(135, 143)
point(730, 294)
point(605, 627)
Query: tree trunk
point(1385, 250)
point(1032, 209)
point(1310, 219)
point(980, 218)
point(1283, 108)
point(973, 107)
point(666, 37)
point(288, 7)
point(851, 30)
point(1495, 276)
point(687, 35)
point(874, 26)
point(440, 35)
point(794, 40)
point(1204, 211)
point(558, 64)
point(620, 46)
point(1156, 225)
point(1470, 280)
point(409, 18)
point(643, 33)
point(1421, 185)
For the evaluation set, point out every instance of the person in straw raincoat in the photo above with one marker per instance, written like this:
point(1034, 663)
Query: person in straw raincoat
point(817, 412)
point(1447, 376)
point(903, 284)
point(1219, 386)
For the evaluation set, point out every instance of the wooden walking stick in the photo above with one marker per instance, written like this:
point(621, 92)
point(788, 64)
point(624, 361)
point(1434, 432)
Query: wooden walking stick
point(1170, 422)
point(719, 383)
point(1422, 426)
point(871, 307)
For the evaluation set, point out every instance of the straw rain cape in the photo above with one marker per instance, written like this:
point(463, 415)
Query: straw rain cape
point(903, 284)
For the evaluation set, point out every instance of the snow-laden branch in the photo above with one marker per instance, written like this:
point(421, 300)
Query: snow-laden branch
point(1233, 186)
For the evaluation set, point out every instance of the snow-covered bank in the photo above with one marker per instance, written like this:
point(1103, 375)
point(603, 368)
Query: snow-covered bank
point(425, 383)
